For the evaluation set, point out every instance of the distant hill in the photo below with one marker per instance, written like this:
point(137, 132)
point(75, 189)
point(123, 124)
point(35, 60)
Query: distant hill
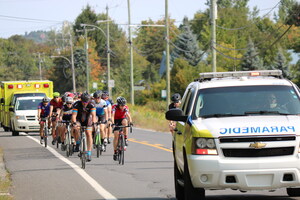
point(37, 36)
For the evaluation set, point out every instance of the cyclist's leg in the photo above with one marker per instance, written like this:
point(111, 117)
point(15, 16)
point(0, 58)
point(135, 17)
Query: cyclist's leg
point(108, 131)
point(53, 119)
point(125, 130)
point(76, 133)
point(62, 133)
point(42, 128)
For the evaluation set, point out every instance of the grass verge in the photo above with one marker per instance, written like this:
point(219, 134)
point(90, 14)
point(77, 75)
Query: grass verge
point(148, 118)
point(5, 184)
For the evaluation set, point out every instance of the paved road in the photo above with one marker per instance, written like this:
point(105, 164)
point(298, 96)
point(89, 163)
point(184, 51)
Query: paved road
point(45, 173)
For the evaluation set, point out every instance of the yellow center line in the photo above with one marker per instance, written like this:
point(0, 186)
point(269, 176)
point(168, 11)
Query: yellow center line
point(158, 146)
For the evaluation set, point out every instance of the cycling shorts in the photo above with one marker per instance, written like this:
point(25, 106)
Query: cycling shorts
point(118, 122)
point(101, 118)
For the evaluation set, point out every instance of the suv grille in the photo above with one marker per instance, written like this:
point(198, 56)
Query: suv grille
point(30, 118)
point(257, 139)
point(282, 151)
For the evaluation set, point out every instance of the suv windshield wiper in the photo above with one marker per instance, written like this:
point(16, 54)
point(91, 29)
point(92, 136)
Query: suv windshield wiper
point(265, 112)
point(222, 115)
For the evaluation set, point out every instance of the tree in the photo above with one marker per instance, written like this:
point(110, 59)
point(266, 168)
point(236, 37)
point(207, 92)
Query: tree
point(186, 46)
point(251, 60)
point(280, 63)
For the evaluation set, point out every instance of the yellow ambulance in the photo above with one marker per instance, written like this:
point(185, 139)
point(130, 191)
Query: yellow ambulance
point(18, 114)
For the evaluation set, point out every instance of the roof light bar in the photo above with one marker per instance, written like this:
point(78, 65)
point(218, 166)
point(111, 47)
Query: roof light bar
point(238, 74)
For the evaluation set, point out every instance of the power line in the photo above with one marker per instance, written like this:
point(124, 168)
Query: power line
point(28, 19)
point(264, 49)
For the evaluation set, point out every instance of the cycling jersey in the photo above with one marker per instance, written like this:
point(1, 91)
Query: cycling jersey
point(66, 113)
point(45, 110)
point(100, 107)
point(120, 113)
point(84, 113)
point(56, 105)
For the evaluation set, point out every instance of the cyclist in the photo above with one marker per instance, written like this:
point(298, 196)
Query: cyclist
point(84, 114)
point(120, 116)
point(66, 114)
point(109, 102)
point(101, 113)
point(55, 106)
point(43, 112)
point(176, 101)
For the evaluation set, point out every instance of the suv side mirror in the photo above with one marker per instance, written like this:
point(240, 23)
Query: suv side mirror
point(176, 115)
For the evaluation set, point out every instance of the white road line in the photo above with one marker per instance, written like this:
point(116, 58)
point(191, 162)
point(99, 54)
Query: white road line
point(101, 191)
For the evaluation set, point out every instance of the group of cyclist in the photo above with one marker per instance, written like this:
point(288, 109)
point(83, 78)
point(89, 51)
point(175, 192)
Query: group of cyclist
point(84, 110)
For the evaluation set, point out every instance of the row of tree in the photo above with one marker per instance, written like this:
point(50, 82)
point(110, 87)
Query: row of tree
point(245, 41)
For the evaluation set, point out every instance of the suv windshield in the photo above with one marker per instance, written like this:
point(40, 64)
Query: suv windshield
point(247, 100)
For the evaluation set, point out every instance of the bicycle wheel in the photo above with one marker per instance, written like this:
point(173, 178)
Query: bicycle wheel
point(67, 142)
point(121, 150)
point(45, 134)
point(98, 145)
point(82, 153)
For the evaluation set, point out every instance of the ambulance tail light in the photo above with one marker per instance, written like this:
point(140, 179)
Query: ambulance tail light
point(10, 86)
point(46, 85)
point(204, 146)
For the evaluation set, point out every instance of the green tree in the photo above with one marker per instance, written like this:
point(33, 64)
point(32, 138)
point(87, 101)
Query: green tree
point(186, 46)
point(280, 63)
point(251, 60)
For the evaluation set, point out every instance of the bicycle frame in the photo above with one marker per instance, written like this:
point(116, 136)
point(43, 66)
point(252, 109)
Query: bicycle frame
point(45, 121)
point(83, 146)
point(68, 139)
point(121, 143)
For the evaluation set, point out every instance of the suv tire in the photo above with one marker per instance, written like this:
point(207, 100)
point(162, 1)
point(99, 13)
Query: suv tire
point(191, 193)
point(179, 189)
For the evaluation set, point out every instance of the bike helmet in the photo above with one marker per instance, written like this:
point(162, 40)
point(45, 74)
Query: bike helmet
point(176, 98)
point(85, 97)
point(121, 101)
point(45, 99)
point(63, 98)
point(69, 100)
point(104, 94)
point(56, 94)
point(97, 94)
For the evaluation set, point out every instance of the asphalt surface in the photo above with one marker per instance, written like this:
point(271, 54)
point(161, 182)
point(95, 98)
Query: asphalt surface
point(40, 173)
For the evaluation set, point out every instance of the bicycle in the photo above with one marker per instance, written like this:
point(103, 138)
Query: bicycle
point(68, 138)
point(45, 121)
point(97, 140)
point(83, 146)
point(121, 143)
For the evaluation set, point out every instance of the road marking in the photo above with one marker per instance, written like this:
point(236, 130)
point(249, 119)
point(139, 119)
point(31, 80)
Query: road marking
point(99, 189)
point(159, 146)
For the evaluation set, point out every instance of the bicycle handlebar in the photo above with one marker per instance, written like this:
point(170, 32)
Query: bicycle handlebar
point(121, 126)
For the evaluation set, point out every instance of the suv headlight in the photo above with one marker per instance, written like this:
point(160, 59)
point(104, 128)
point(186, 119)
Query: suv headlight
point(204, 146)
point(20, 117)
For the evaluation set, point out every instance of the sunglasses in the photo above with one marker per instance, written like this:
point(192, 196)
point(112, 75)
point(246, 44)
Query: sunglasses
point(55, 97)
point(69, 103)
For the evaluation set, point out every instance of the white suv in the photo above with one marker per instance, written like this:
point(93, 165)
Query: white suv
point(237, 130)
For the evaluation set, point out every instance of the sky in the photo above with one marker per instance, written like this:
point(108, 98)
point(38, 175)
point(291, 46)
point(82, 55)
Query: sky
point(20, 16)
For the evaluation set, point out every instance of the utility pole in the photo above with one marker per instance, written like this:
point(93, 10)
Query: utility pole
point(108, 53)
point(40, 66)
point(167, 53)
point(72, 62)
point(213, 16)
point(131, 55)
point(87, 61)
